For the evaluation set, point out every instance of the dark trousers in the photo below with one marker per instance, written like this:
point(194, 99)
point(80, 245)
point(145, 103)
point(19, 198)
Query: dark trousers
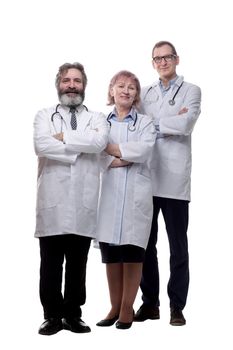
point(175, 214)
point(53, 251)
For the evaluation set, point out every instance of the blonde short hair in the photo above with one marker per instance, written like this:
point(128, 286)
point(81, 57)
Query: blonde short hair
point(115, 78)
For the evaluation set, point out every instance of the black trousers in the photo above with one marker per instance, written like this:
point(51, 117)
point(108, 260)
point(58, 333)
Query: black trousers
point(175, 214)
point(53, 251)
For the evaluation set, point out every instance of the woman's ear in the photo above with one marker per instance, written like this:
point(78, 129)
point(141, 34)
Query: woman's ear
point(111, 92)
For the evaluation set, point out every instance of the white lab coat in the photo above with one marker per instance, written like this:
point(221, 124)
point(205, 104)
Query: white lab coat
point(172, 158)
point(68, 173)
point(125, 210)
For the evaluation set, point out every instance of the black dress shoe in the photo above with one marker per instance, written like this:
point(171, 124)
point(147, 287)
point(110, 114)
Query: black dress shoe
point(75, 325)
point(146, 312)
point(50, 326)
point(123, 325)
point(107, 322)
point(177, 317)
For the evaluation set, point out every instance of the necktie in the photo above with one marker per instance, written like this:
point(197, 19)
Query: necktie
point(73, 120)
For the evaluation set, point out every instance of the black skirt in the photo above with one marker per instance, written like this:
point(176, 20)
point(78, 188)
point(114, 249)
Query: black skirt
point(127, 253)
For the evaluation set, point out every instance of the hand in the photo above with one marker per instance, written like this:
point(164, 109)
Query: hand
point(183, 110)
point(113, 150)
point(59, 136)
point(116, 163)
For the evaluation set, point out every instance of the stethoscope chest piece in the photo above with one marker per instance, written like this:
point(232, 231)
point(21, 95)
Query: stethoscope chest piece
point(132, 127)
point(172, 101)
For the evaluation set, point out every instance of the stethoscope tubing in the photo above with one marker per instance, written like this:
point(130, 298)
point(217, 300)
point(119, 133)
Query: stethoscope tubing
point(56, 112)
point(61, 117)
point(172, 102)
point(130, 127)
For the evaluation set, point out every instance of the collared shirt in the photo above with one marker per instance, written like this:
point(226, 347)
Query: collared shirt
point(132, 115)
point(164, 89)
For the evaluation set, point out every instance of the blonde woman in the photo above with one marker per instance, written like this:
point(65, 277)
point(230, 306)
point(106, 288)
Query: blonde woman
point(125, 209)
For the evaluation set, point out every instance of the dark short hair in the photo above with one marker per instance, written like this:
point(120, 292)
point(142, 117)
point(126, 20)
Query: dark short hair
point(124, 73)
point(65, 67)
point(162, 43)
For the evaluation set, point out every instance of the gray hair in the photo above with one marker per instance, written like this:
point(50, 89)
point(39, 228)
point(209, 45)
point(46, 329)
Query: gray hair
point(65, 67)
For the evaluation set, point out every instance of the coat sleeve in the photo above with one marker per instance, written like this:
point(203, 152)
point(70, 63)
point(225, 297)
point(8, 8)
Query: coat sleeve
point(139, 151)
point(46, 145)
point(183, 124)
point(93, 140)
point(105, 161)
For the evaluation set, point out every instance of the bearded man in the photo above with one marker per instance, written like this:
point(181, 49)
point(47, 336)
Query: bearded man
point(67, 139)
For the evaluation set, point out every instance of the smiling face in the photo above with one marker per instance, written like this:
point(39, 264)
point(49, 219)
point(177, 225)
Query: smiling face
point(71, 88)
point(124, 92)
point(165, 62)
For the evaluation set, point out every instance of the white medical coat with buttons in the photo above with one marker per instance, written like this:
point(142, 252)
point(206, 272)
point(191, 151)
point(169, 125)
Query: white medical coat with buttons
point(172, 157)
point(68, 173)
point(125, 210)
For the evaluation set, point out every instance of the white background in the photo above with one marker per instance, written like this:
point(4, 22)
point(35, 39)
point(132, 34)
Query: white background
point(36, 37)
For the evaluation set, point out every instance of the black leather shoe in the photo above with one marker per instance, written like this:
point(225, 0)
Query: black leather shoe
point(177, 317)
point(123, 325)
point(107, 322)
point(75, 325)
point(146, 312)
point(50, 326)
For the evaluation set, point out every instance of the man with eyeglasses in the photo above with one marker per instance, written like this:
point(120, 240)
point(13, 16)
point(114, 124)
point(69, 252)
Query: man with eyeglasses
point(175, 106)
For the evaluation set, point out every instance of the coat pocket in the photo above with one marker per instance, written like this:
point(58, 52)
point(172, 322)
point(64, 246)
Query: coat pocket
point(143, 195)
point(48, 191)
point(91, 191)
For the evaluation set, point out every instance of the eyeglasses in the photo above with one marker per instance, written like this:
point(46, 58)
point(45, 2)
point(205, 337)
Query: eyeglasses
point(167, 58)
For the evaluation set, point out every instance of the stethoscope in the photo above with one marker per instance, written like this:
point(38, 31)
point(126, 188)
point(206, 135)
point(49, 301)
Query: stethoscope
point(61, 117)
point(131, 127)
point(172, 101)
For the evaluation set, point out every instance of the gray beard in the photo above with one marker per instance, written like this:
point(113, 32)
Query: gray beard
point(71, 101)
